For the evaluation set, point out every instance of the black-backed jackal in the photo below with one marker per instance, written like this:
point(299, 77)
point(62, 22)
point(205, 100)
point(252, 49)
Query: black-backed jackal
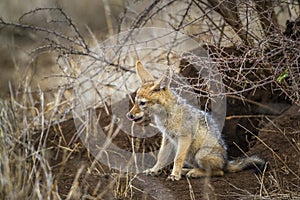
point(194, 133)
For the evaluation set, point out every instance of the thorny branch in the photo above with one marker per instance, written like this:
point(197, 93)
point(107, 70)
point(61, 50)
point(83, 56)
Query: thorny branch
point(253, 63)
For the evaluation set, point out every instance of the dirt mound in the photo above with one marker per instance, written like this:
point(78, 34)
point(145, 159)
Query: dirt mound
point(278, 143)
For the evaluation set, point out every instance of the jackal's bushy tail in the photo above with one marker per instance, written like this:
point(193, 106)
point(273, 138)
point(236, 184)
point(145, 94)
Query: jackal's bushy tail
point(252, 162)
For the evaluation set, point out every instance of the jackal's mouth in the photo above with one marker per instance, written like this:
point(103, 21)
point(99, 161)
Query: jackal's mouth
point(138, 120)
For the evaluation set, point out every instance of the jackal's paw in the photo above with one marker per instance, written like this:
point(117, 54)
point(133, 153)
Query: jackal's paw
point(151, 172)
point(195, 173)
point(192, 174)
point(173, 177)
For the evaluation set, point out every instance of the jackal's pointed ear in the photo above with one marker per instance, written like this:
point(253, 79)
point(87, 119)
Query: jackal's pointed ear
point(164, 82)
point(144, 75)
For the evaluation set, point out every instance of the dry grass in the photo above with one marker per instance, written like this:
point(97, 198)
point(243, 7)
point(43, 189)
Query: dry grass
point(24, 161)
point(25, 172)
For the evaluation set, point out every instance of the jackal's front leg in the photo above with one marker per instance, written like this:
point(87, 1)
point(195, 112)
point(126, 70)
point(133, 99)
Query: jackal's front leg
point(162, 157)
point(183, 145)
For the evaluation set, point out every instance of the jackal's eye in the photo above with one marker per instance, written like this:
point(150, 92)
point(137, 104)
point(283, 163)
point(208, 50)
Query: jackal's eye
point(142, 103)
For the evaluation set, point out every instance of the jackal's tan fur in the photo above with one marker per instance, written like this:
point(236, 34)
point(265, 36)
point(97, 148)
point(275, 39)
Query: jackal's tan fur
point(194, 133)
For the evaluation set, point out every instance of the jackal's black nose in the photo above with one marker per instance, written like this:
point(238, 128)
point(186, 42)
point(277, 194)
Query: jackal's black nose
point(130, 116)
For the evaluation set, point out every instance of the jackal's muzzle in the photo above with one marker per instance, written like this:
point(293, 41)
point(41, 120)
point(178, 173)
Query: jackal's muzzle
point(137, 119)
point(138, 116)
